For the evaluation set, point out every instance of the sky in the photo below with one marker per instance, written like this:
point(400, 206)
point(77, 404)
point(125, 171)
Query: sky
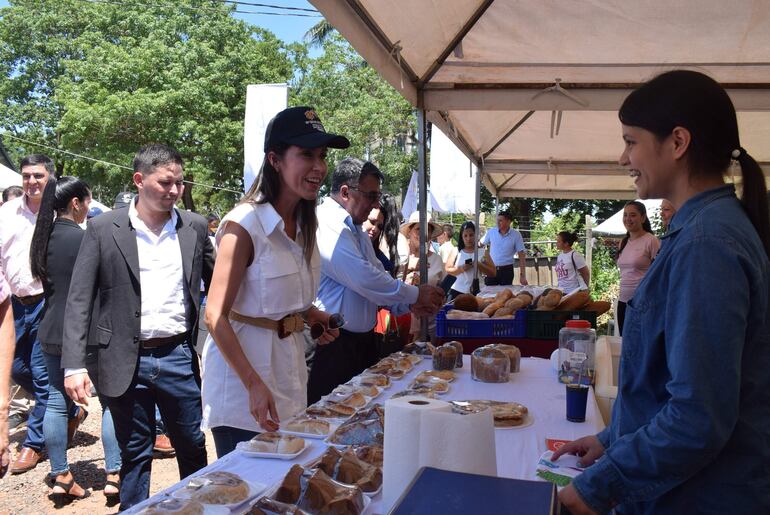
point(286, 28)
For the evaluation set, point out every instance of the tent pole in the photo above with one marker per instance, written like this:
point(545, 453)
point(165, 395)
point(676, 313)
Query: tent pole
point(422, 204)
point(589, 247)
point(475, 287)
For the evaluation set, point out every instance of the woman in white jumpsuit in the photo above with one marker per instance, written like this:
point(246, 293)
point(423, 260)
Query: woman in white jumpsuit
point(267, 270)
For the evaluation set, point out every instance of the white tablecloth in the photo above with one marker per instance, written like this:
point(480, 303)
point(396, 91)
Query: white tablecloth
point(518, 450)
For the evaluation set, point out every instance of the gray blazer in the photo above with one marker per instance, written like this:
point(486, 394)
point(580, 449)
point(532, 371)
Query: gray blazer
point(108, 265)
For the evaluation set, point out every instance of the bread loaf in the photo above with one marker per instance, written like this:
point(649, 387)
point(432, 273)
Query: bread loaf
point(309, 425)
point(513, 353)
point(490, 310)
point(490, 365)
point(549, 299)
point(466, 302)
point(459, 348)
point(574, 301)
point(221, 488)
point(502, 312)
point(483, 302)
point(444, 358)
point(599, 306)
point(504, 295)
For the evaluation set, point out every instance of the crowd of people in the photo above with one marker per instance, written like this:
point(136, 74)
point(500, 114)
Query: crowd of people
point(293, 290)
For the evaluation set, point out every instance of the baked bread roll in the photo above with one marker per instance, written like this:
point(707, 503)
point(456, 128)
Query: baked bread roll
point(599, 306)
point(503, 312)
point(267, 506)
point(574, 301)
point(276, 443)
point(520, 301)
point(309, 425)
point(490, 365)
point(220, 488)
point(549, 299)
point(445, 375)
point(466, 302)
point(504, 295)
point(490, 310)
point(374, 380)
point(444, 358)
point(170, 506)
point(483, 302)
point(513, 353)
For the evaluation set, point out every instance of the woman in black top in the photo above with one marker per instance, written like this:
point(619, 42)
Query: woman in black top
point(53, 251)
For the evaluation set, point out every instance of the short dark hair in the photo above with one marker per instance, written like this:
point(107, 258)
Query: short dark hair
point(350, 170)
point(153, 155)
point(38, 159)
point(12, 192)
point(212, 218)
point(448, 230)
point(505, 214)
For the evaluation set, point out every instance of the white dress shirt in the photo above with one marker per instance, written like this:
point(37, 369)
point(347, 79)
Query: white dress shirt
point(17, 224)
point(161, 278)
point(353, 281)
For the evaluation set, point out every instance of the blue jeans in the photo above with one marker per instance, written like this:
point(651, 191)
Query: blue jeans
point(55, 423)
point(29, 369)
point(164, 376)
point(226, 438)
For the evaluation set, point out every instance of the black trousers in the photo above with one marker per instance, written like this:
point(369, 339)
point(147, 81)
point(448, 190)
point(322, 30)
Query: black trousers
point(339, 361)
point(621, 316)
point(504, 276)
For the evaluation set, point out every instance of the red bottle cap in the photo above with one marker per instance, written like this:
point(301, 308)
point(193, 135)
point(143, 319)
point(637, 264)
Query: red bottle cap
point(580, 324)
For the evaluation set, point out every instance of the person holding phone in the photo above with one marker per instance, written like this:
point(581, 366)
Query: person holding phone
point(462, 265)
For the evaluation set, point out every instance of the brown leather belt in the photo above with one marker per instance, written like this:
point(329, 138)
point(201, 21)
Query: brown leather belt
point(154, 343)
point(30, 300)
point(284, 327)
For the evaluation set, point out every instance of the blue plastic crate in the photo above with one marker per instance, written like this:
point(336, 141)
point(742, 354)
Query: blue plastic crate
point(484, 328)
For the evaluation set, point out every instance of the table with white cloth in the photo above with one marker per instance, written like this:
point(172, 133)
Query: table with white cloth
point(518, 449)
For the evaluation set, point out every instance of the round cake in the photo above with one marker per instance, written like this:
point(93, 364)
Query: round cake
point(221, 488)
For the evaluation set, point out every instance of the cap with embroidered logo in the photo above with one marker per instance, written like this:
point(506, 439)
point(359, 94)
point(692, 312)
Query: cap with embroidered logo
point(301, 126)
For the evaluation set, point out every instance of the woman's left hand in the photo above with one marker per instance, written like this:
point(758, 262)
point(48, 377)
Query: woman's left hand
point(316, 316)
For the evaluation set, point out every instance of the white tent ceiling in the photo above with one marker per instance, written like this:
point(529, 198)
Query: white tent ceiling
point(481, 67)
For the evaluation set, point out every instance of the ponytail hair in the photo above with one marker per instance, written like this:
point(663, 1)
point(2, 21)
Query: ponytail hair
point(57, 195)
point(646, 225)
point(696, 102)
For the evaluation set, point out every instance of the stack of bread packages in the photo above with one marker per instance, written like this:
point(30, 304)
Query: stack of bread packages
point(553, 299)
point(503, 305)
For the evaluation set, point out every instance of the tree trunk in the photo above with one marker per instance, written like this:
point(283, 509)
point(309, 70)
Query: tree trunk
point(187, 199)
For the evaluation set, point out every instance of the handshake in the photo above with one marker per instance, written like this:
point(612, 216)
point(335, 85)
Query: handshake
point(429, 300)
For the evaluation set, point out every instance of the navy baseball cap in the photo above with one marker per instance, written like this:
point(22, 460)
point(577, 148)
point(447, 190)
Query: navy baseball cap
point(123, 199)
point(301, 126)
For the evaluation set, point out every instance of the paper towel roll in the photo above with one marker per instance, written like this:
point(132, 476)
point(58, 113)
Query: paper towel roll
point(461, 443)
point(403, 419)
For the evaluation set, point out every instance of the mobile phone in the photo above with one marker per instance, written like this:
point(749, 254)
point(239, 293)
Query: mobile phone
point(469, 261)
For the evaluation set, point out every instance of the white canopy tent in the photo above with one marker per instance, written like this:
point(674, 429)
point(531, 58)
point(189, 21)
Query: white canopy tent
point(8, 178)
point(529, 89)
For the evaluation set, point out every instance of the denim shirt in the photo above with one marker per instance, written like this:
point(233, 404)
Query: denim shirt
point(690, 431)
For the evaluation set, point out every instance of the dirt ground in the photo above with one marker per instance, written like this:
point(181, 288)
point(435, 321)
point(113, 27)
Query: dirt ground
point(28, 493)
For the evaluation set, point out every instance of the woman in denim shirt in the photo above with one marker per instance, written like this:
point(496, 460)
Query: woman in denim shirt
point(690, 431)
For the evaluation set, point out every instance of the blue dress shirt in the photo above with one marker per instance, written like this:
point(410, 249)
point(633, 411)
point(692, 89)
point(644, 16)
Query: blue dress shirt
point(353, 281)
point(503, 247)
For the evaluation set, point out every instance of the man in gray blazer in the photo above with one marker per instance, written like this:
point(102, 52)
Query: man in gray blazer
point(145, 262)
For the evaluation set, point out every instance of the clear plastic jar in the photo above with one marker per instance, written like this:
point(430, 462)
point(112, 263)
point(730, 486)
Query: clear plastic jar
point(577, 350)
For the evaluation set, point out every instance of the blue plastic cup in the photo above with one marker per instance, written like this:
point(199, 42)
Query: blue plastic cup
point(577, 398)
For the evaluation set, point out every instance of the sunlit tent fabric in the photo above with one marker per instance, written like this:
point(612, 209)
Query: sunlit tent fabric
point(529, 89)
point(613, 226)
point(8, 177)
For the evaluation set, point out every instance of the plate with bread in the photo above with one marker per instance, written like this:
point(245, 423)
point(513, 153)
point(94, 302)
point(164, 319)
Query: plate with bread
point(507, 415)
point(274, 445)
point(167, 505)
point(308, 427)
point(219, 488)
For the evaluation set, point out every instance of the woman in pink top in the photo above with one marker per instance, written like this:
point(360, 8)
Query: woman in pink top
point(637, 250)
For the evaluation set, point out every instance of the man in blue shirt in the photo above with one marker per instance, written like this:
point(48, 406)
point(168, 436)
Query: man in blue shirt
point(353, 281)
point(504, 243)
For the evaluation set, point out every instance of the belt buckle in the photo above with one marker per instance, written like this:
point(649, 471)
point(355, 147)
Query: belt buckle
point(282, 332)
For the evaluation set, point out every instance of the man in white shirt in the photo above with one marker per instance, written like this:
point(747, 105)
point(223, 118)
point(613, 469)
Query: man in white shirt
point(146, 264)
point(17, 224)
point(353, 281)
point(504, 243)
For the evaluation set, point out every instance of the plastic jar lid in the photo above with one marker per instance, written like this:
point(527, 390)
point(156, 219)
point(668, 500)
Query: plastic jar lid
point(580, 324)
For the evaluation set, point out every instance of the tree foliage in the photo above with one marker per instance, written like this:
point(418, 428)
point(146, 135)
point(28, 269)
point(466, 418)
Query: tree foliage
point(103, 79)
point(353, 100)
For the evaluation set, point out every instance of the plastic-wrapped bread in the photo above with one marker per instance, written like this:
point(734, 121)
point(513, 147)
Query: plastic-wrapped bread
point(459, 348)
point(513, 353)
point(490, 365)
point(444, 357)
